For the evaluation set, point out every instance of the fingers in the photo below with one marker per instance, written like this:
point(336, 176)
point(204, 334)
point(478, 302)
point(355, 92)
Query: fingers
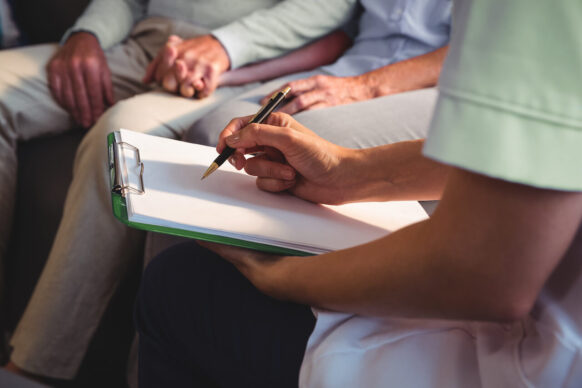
point(301, 86)
point(303, 102)
point(210, 79)
point(268, 96)
point(274, 185)
point(298, 87)
point(233, 126)
point(107, 86)
point(276, 119)
point(169, 82)
point(256, 135)
point(262, 166)
point(168, 56)
point(67, 98)
point(61, 86)
point(180, 70)
point(318, 105)
point(151, 70)
point(56, 87)
point(183, 78)
point(186, 89)
point(95, 92)
point(197, 71)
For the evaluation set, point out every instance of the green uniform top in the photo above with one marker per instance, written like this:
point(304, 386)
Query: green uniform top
point(510, 103)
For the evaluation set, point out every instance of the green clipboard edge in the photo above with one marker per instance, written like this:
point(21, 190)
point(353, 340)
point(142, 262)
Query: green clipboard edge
point(120, 212)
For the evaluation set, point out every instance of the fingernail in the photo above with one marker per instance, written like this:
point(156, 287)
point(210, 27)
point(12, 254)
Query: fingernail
point(232, 161)
point(233, 138)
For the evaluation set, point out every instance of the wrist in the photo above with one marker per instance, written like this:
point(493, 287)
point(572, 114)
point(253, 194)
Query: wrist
point(354, 173)
point(82, 35)
point(368, 83)
point(370, 176)
point(379, 84)
point(224, 57)
point(282, 284)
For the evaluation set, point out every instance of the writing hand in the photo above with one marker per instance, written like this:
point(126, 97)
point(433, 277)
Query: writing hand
point(322, 91)
point(291, 157)
point(80, 79)
point(190, 67)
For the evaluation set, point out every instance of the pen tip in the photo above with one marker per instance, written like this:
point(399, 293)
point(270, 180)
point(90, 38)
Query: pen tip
point(286, 90)
point(210, 170)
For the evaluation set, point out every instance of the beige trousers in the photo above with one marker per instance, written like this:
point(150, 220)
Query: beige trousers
point(92, 250)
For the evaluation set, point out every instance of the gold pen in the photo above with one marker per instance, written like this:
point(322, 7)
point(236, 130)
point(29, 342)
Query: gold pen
point(258, 118)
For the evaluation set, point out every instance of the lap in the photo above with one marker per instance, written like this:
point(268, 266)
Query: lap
point(374, 122)
point(160, 113)
point(197, 312)
point(30, 110)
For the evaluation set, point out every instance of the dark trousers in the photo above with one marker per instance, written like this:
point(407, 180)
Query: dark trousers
point(202, 324)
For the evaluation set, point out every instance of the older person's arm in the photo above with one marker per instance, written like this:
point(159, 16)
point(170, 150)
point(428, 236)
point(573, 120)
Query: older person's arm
point(109, 20)
point(319, 53)
point(271, 32)
point(193, 67)
point(321, 91)
point(78, 74)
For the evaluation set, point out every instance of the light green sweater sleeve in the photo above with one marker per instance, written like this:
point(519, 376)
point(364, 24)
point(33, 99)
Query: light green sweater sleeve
point(110, 30)
point(271, 32)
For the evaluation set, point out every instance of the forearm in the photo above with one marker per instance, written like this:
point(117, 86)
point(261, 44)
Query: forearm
point(411, 74)
point(406, 274)
point(109, 20)
point(393, 172)
point(269, 33)
point(319, 53)
point(481, 257)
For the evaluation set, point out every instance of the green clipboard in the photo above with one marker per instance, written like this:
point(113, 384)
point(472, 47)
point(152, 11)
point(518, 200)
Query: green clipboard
point(120, 189)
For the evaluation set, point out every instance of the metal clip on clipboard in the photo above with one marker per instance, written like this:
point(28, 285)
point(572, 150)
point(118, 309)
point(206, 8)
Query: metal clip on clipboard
point(118, 183)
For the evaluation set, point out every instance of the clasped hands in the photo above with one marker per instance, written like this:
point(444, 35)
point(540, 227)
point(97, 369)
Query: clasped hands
point(189, 67)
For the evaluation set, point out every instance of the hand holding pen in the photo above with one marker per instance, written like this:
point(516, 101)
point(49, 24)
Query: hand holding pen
point(292, 158)
point(258, 118)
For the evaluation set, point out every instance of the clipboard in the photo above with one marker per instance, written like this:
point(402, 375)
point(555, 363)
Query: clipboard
point(155, 186)
point(120, 187)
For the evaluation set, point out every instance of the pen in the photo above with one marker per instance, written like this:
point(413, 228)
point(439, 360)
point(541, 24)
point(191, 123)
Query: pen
point(258, 118)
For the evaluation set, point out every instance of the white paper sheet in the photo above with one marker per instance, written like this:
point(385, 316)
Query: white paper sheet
point(229, 204)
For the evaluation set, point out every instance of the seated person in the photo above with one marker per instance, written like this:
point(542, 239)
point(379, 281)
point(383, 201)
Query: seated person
point(95, 80)
point(486, 293)
point(399, 47)
point(84, 268)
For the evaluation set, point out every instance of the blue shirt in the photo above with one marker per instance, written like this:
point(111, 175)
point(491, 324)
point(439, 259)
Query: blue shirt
point(393, 30)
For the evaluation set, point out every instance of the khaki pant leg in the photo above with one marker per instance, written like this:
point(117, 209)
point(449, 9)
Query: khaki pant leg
point(92, 250)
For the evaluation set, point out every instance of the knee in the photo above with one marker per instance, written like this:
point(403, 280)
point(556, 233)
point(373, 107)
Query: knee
point(165, 282)
point(203, 132)
point(92, 151)
point(170, 272)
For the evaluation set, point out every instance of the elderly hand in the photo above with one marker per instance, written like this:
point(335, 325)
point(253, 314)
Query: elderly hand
point(322, 91)
point(80, 79)
point(189, 67)
point(291, 157)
